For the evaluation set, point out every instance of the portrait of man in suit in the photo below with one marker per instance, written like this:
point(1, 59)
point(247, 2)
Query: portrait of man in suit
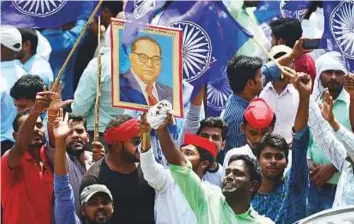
point(139, 84)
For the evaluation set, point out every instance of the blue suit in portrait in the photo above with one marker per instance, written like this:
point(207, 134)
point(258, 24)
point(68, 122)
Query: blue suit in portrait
point(130, 90)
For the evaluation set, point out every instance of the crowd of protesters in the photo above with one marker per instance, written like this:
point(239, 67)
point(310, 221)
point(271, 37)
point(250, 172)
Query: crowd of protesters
point(281, 150)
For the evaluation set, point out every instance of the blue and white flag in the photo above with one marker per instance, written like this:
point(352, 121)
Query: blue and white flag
point(210, 35)
point(218, 92)
point(339, 29)
point(44, 13)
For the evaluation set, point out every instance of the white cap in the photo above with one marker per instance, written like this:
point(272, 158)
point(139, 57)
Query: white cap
point(91, 190)
point(330, 61)
point(11, 38)
point(279, 49)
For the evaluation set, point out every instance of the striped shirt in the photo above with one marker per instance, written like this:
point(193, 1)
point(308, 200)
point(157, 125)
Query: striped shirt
point(339, 147)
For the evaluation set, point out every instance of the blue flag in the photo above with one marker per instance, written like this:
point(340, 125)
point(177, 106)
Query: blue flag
point(218, 93)
point(210, 35)
point(339, 29)
point(44, 13)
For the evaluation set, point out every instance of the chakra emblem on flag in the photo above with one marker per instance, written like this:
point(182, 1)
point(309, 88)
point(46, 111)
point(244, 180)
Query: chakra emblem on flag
point(218, 93)
point(39, 8)
point(141, 7)
point(296, 14)
point(196, 49)
point(342, 27)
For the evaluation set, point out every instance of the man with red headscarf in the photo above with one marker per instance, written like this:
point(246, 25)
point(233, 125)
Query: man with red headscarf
point(120, 171)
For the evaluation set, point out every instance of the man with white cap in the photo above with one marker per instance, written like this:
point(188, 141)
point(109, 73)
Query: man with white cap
point(324, 176)
point(10, 72)
point(96, 200)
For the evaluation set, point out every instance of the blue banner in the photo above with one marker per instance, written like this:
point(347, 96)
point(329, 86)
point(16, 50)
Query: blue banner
point(339, 29)
point(44, 13)
point(210, 35)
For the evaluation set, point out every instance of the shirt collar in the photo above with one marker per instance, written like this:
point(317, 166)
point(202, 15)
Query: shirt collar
point(28, 64)
point(240, 100)
point(288, 88)
point(8, 64)
point(343, 96)
point(140, 82)
point(42, 155)
point(249, 212)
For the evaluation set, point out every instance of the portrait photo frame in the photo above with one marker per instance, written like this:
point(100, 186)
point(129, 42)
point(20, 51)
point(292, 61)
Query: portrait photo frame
point(133, 69)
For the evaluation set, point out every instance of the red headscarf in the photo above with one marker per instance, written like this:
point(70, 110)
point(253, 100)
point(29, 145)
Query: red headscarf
point(123, 132)
point(196, 140)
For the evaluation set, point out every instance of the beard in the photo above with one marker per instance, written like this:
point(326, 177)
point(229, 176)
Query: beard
point(128, 157)
point(75, 152)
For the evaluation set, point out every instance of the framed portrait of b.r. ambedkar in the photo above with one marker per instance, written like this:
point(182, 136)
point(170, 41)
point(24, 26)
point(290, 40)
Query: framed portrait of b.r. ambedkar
point(148, 69)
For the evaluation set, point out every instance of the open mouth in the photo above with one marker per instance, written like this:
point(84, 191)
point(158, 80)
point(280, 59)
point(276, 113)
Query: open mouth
point(77, 144)
point(101, 216)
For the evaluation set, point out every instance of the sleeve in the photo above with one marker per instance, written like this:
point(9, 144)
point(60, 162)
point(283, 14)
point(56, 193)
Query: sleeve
point(154, 173)
point(190, 185)
point(299, 169)
point(64, 205)
point(85, 94)
point(191, 123)
point(271, 72)
point(347, 138)
point(324, 136)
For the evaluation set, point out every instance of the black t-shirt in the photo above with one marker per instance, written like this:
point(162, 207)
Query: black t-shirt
point(133, 198)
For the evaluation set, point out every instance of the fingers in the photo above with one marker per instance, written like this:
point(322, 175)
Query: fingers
point(65, 103)
point(97, 145)
point(66, 117)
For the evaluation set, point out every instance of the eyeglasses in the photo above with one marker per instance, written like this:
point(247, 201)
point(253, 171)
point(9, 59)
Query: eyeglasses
point(136, 141)
point(143, 58)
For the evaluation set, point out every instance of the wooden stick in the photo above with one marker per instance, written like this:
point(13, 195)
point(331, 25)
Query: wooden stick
point(145, 139)
point(60, 73)
point(98, 85)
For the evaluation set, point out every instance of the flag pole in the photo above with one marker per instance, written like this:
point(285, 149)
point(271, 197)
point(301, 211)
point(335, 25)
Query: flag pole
point(98, 86)
point(60, 73)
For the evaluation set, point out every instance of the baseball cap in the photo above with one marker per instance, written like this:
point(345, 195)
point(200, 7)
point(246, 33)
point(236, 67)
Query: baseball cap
point(279, 49)
point(258, 114)
point(11, 38)
point(91, 190)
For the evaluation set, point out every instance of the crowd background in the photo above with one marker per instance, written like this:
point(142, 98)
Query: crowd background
point(259, 143)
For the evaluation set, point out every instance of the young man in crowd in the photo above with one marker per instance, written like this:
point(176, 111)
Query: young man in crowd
point(247, 76)
point(96, 200)
point(212, 128)
point(120, 171)
point(338, 143)
point(11, 44)
point(27, 178)
point(207, 201)
point(284, 199)
point(170, 204)
point(32, 62)
point(286, 31)
point(323, 174)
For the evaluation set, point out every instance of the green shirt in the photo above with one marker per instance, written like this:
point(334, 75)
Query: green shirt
point(207, 201)
point(341, 113)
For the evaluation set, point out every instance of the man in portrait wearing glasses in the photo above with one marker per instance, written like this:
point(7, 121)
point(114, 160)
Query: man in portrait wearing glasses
point(139, 84)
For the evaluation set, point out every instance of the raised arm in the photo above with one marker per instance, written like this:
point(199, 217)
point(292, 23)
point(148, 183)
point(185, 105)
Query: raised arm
point(349, 87)
point(154, 173)
point(64, 195)
point(25, 133)
point(172, 154)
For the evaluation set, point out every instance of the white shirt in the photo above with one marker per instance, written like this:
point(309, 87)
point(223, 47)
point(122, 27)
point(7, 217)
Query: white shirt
point(337, 145)
point(285, 108)
point(142, 86)
point(214, 176)
point(36, 65)
point(171, 207)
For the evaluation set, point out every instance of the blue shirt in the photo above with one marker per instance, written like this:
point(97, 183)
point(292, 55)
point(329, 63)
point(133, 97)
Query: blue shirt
point(36, 65)
point(64, 204)
point(62, 42)
point(10, 73)
point(85, 94)
point(286, 203)
point(236, 106)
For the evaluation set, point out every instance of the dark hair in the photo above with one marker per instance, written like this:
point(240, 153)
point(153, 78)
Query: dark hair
point(31, 36)
point(27, 87)
point(114, 7)
point(79, 119)
point(214, 122)
point(252, 164)
point(145, 38)
point(273, 141)
point(272, 124)
point(288, 29)
point(18, 116)
point(240, 69)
